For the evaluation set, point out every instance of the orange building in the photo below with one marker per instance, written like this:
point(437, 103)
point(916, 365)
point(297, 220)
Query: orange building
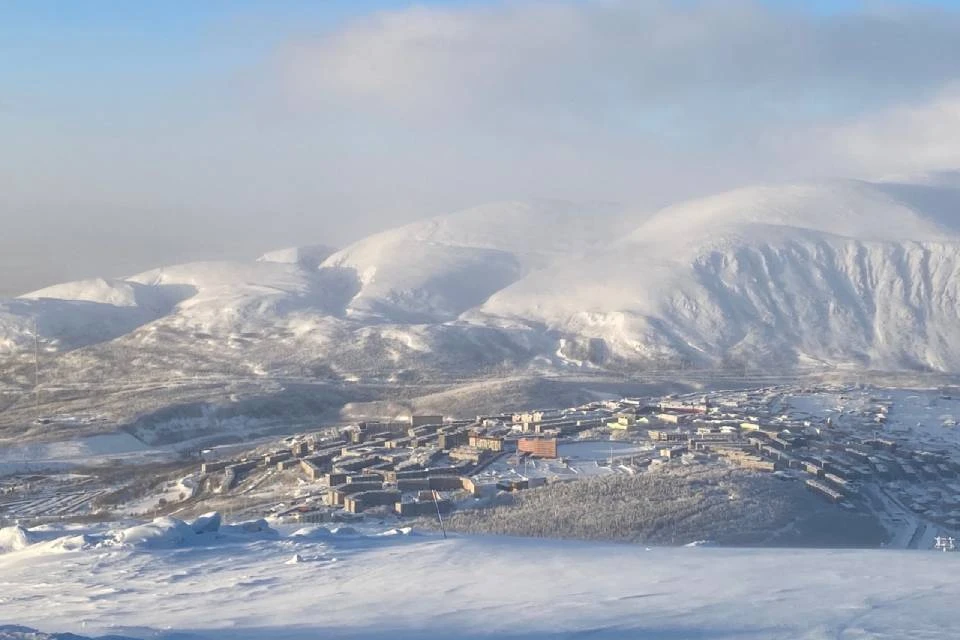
point(538, 447)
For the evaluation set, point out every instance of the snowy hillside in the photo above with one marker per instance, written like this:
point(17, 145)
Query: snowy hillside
point(836, 273)
point(204, 580)
point(439, 268)
point(76, 314)
point(817, 275)
point(309, 257)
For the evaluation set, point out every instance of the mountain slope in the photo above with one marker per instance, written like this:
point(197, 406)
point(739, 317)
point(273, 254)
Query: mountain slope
point(840, 273)
point(436, 269)
point(85, 312)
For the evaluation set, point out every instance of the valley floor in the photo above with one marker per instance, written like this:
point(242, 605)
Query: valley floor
point(244, 586)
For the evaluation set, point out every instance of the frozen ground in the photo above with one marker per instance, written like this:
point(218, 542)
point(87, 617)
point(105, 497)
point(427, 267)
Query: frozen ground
point(926, 417)
point(164, 581)
point(78, 451)
point(599, 450)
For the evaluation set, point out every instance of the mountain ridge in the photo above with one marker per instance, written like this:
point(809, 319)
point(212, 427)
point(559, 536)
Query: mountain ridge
point(837, 273)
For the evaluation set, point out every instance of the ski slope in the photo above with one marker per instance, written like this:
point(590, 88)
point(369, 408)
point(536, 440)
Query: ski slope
point(201, 580)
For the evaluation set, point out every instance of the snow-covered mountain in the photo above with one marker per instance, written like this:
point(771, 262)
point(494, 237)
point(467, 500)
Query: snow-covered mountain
point(838, 273)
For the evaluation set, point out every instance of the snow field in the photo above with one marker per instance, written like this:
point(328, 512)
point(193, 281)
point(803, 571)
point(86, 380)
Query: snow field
point(246, 584)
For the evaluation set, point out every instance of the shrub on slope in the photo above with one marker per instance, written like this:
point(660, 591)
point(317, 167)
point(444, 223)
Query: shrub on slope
point(675, 506)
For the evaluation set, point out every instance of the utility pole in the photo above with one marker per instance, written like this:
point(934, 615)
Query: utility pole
point(439, 517)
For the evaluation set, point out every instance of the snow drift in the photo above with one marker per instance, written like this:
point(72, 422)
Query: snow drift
point(167, 532)
point(14, 538)
point(474, 588)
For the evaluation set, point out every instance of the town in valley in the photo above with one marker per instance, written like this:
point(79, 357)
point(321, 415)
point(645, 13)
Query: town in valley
point(892, 453)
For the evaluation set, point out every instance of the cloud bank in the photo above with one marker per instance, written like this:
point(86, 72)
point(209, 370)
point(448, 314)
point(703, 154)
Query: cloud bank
point(341, 129)
point(744, 81)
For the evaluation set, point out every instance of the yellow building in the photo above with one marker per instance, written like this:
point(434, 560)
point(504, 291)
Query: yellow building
point(623, 422)
point(493, 443)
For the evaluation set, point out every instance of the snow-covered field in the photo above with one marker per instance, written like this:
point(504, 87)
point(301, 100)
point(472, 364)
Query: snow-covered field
point(926, 417)
point(576, 460)
point(85, 451)
point(165, 581)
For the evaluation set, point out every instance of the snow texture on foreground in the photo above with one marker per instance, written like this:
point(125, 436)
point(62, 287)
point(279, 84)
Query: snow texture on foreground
point(200, 580)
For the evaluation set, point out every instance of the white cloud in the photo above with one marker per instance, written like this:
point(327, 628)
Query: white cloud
point(902, 140)
point(413, 112)
point(638, 61)
point(639, 101)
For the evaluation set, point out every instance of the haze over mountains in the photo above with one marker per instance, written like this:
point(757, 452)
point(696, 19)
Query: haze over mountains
point(829, 274)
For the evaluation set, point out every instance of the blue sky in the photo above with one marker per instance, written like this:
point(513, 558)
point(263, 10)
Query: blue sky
point(142, 133)
point(186, 36)
point(141, 51)
point(55, 48)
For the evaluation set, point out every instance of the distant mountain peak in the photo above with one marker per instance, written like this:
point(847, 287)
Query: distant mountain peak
point(309, 256)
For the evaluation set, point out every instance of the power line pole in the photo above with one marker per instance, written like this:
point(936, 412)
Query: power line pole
point(439, 517)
